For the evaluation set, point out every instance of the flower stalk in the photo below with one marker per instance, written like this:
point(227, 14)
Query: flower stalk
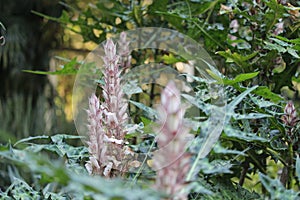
point(96, 137)
point(290, 120)
point(107, 121)
point(171, 161)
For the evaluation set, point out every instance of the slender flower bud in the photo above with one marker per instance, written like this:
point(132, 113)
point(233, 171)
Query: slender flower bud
point(171, 161)
point(290, 115)
point(279, 28)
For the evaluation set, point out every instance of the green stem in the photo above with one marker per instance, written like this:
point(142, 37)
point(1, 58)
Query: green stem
point(142, 165)
point(290, 165)
point(193, 168)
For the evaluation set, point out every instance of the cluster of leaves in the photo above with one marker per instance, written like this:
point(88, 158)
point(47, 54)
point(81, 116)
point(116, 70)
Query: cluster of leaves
point(59, 175)
point(253, 135)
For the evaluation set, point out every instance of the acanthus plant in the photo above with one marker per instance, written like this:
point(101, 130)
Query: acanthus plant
point(109, 154)
point(107, 121)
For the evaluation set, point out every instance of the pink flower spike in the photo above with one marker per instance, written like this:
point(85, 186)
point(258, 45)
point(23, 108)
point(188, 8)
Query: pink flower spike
point(107, 120)
point(171, 159)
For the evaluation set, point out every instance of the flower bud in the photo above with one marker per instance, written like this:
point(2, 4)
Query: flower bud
point(290, 115)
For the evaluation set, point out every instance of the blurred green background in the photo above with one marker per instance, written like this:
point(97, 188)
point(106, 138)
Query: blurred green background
point(33, 104)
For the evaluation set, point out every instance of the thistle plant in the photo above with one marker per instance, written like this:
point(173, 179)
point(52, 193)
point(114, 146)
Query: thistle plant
point(107, 121)
point(290, 115)
point(290, 120)
point(171, 161)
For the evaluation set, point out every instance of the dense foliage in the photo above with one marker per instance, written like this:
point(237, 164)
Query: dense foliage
point(255, 45)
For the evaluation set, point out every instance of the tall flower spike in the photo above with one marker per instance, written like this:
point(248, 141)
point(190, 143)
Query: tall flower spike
point(96, 136)
point(171, 161)
point(107, 121)
point(115, 106)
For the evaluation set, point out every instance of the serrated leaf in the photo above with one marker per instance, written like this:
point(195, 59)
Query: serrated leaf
point(261, 103)
point(250, 116)
point(215, 167)
point(206, 108)
point(221, 150)
point(198, 79)
point(276, 189)
point(231, 106)
point(246, 136)
point(35, 148)
point(211, 130)
point(196, 186)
